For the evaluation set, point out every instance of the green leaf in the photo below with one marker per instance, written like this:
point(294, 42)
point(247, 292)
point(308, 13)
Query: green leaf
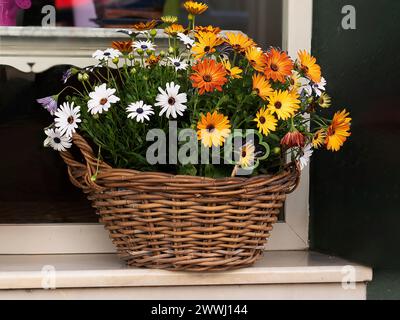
point(189, 170)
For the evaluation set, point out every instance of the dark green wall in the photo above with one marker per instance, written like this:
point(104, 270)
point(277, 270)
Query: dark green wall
point(355, 194)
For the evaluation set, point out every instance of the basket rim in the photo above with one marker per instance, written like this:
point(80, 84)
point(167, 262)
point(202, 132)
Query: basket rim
point(103, 170)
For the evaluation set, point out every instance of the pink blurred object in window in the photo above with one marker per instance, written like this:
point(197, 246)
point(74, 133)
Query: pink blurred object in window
point(9, 10)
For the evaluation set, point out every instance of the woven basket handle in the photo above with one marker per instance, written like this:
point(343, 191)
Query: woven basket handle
point(80, 173)
point(294, 167)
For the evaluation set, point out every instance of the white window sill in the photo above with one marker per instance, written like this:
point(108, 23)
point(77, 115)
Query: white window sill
point(279, 274)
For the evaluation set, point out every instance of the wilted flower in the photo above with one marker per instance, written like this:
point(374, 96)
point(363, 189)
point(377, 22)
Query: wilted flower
point(49, 103)
point(293, 139)
point(66, 75)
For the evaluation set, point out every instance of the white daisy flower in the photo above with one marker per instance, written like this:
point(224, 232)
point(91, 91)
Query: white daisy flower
point(318, 88)
point(171, 101)
point(187, 41)
point(56, 140)
point(140, 111)
point(178, 64)
point(101, 99)
point(67, 118)
point(306, 155)
point(109, 53)
point(144, 45)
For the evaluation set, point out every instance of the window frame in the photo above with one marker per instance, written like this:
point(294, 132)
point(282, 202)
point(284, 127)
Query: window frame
point(290, 234)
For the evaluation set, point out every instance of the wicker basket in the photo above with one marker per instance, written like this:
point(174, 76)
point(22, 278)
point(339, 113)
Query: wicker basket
point(159, 220)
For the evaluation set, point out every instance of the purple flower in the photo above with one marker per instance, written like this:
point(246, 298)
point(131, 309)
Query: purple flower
point(49, 103)
point(66, 75)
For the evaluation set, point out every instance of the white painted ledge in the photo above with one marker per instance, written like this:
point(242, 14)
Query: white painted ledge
point(280, 273)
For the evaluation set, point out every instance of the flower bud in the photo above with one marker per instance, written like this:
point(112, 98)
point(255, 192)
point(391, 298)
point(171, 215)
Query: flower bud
point(171, 50)
point(74, 71)
point(149, 52)
point(115, 60)
point(140, 51)
point(137, 64)
point(153, 32)
point(85, 77)
point(131, 56)
point(80, 77)
point(133, 71)
point(276, 150)
point(162, 53)
point(145, 78)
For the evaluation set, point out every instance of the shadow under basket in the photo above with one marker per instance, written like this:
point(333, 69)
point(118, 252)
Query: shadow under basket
point(164, 221)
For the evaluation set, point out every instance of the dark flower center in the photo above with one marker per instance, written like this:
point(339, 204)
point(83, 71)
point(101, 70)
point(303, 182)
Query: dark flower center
point(106, 54)
point(177, 64)
point(274, 67)
point(143, 46)
point(70, 120)
point(244, 153)
point(305, 69)
point(57, 140)
point(207, 48)
point(139, 110)
point(262, 120)
point(210, 127)
point(278, 105)
point(171, 101)
point(103, 101)
point(207, 78)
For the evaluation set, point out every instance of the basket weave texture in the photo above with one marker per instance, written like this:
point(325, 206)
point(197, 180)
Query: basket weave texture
point(173, 222)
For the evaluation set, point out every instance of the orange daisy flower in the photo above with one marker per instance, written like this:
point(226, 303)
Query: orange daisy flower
point(208, 75)
point(308, 65)
point(256, 58)
point(239, 41)
point(174, 29)
point(261, 86)
point(205, 44)
point(124, 46)
point(153, 60)
point(210, 28)
point(143, 26)
point(194, 7)
point(278, 65)
point(213, 129)
point(338, 131)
